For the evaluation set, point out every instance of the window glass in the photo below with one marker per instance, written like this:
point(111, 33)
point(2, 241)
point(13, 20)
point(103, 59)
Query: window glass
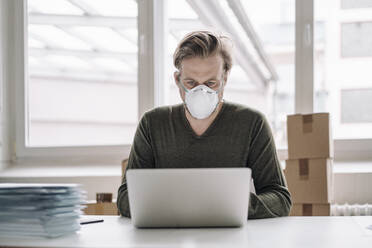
point(352, 4)
point(343, 79)
point(356, 39)
point(351, 98)
point(82, 72)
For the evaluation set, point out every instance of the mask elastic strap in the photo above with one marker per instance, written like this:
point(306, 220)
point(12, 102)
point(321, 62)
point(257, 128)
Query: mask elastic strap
point(219, 90)
point(183, 86)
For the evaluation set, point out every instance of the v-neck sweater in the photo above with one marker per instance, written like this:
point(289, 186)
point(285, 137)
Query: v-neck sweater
point(238, 137)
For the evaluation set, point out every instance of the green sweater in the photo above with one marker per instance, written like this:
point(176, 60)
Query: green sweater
point(238, 137)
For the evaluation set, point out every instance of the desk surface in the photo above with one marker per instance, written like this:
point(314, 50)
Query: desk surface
point(277, 232)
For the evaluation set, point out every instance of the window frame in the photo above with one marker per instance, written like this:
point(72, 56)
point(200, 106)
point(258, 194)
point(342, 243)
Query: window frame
point(149, 43)
point(151, 92)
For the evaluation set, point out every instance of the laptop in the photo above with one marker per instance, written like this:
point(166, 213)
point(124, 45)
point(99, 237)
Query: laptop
point(202, 197)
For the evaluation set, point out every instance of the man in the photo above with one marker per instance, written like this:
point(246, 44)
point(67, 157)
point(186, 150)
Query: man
point(206, 131)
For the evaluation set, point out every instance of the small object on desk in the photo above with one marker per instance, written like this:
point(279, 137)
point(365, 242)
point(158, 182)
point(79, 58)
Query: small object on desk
point(103, 197)
point(102, 208)
point(89, 220)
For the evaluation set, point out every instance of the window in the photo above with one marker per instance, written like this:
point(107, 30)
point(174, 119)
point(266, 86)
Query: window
point(353, 4)
point(343, 81)
point(356, 97)
point(356, 39)
point(83, 94)
point(82, 72)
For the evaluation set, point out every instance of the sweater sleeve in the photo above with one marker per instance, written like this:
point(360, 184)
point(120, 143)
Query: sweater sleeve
point(141, 156)
point(272, 198)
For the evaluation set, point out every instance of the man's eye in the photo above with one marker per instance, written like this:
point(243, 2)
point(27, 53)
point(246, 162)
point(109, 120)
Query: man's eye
point(190, 83)
point(211, 84)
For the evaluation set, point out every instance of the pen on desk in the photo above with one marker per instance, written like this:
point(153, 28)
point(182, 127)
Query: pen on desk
point(90, 221)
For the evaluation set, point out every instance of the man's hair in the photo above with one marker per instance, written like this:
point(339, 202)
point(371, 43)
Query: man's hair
point(204, 44)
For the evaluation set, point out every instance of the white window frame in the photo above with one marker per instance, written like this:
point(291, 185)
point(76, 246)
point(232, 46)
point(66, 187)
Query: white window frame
point(151, 39)
point(150, 78)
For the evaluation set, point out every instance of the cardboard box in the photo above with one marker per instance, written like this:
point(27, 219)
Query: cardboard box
point(309, 136)
point(103, 208)
point(310, 180)
point(307, 209)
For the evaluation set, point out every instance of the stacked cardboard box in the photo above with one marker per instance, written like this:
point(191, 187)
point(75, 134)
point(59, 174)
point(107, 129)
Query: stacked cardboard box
point(309, 168)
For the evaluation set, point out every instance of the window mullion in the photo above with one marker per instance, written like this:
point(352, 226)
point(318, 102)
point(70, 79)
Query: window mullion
point(304, 61)
point(19, 19)
point(152, 44)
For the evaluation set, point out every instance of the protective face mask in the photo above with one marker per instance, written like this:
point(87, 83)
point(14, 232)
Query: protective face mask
point(201, 101)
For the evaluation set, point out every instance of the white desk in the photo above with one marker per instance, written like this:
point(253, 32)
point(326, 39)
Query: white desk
point(314, 232)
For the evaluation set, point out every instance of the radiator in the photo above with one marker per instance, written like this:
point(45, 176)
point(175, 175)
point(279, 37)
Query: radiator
point(351, 210)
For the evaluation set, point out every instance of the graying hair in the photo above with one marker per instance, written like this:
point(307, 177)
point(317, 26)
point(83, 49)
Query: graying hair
point(204, 44)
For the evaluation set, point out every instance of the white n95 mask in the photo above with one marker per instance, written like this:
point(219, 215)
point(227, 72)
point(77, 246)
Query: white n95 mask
point(201, 101)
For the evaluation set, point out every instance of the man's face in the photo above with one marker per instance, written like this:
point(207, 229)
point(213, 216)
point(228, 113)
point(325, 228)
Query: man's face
point(197, 71)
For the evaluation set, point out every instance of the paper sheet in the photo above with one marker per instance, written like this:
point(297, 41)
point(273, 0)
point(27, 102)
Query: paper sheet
point(40, 210)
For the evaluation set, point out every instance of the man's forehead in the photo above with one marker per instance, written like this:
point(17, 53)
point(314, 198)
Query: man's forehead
point(202, 67)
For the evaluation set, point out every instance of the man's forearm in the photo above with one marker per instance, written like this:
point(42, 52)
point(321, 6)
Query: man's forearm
point(269, 204)
point(123, 201)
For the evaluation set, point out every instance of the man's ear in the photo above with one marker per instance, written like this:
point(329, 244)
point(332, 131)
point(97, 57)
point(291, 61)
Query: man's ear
point(177, 79)
point(177, 76)
point(225, 76)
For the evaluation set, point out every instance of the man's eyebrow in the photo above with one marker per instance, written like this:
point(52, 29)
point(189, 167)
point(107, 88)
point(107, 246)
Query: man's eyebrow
point(189, 79)
point(210, 79)
point(213, 78)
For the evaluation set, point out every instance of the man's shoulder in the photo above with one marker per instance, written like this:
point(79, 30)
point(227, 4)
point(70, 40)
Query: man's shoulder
point(162, 112)
point(243, 111)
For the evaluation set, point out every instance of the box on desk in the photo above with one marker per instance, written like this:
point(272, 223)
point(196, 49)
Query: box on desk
point(309, 136)
point(310, 180)
point(101, 208)
point(308, 209)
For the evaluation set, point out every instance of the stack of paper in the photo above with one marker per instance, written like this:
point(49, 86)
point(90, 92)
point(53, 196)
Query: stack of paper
point(40, 210)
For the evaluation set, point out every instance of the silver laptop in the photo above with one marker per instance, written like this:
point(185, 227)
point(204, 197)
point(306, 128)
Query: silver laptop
point(217, 197)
